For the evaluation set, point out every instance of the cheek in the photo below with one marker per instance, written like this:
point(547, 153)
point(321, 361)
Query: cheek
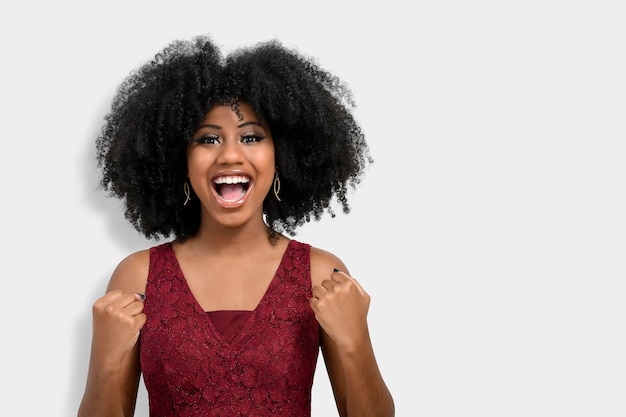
point(267, 159)
point(196, 160)
point(265, 166)
point(196, 170)
point(265, 156)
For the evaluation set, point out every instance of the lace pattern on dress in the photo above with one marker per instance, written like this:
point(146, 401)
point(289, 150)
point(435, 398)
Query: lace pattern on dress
point(267, 369)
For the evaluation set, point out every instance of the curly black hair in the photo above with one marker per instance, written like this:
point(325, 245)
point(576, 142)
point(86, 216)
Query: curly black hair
point(320, 148)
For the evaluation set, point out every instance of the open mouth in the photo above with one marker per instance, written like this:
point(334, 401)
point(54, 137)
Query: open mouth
point(231, 188)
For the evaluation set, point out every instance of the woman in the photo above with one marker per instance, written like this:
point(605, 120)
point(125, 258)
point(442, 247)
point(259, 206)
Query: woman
point(227, 156)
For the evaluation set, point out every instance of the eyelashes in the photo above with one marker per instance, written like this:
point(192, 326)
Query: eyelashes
point(252, 138)
point(211, 139)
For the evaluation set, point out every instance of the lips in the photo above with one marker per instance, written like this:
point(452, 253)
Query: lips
point(231, 188)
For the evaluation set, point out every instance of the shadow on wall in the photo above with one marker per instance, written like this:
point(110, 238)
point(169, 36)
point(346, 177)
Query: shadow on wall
point(123, 235)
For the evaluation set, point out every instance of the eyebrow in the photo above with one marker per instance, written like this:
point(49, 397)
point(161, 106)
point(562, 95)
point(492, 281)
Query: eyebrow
point(220, 128)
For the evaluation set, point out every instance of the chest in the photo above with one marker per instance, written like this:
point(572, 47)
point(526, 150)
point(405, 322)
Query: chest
point(229, 285)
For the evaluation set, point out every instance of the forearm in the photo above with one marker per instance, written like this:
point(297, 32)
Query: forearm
point(103, 393)
point(110, 390)
point(114, 369)
point(366, 391)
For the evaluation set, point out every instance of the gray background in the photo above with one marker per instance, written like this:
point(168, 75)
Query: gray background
point(489, 231)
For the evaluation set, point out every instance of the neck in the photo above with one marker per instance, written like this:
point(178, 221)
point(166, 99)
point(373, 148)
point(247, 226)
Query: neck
point(240, 239)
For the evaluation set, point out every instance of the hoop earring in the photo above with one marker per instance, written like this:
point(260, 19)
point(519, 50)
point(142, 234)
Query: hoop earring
point(276, 186)
point(187, 193)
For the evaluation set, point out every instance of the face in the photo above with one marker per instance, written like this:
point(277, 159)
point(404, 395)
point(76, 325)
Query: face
point(231, 165)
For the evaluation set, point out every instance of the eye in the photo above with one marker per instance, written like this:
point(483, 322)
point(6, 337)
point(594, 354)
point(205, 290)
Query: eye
point(208, 140)
point(251, 138)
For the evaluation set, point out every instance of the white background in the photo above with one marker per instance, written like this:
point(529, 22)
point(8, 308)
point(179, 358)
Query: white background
point(490, 231)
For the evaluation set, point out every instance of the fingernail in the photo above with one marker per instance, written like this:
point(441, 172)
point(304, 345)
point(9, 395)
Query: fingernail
point(142, 296)
point(335, 270)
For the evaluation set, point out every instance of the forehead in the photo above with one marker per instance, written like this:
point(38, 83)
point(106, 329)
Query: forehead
point(238, 112)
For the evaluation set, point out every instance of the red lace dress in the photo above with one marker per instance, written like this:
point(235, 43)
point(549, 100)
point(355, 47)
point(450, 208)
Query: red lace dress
point(267, 369)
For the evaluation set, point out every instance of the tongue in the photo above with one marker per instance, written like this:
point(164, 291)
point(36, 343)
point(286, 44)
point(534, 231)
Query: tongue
point(231, 192)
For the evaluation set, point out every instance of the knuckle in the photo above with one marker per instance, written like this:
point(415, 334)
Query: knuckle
point(109, 309)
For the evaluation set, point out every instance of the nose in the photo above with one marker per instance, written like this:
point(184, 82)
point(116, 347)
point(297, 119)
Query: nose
point(231, 152)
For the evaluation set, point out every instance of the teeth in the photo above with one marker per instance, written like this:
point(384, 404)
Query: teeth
point(232, 180)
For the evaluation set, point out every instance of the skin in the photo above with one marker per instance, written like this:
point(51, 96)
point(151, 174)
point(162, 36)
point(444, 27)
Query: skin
point(228, 265)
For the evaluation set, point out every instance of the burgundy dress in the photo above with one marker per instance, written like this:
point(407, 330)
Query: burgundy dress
point(264, 368)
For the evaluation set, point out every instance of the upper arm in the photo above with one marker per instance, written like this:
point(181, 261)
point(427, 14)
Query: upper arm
point(131, 275)
point(322, 265)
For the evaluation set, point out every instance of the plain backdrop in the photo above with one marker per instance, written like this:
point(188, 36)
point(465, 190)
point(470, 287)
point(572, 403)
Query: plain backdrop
point(490, 231)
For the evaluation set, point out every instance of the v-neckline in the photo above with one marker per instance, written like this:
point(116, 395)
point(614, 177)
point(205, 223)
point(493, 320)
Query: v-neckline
point(191, 298)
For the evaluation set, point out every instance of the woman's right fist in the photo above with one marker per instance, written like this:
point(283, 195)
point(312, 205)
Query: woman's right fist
point(117, 319)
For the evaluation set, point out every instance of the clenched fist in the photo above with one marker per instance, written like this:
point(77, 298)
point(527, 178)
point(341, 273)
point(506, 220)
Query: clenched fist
point(117, 319)
point(340, 305)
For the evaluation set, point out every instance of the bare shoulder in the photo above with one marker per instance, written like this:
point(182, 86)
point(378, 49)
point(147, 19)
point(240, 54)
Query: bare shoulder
point(131, 274)
point(323, 263)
